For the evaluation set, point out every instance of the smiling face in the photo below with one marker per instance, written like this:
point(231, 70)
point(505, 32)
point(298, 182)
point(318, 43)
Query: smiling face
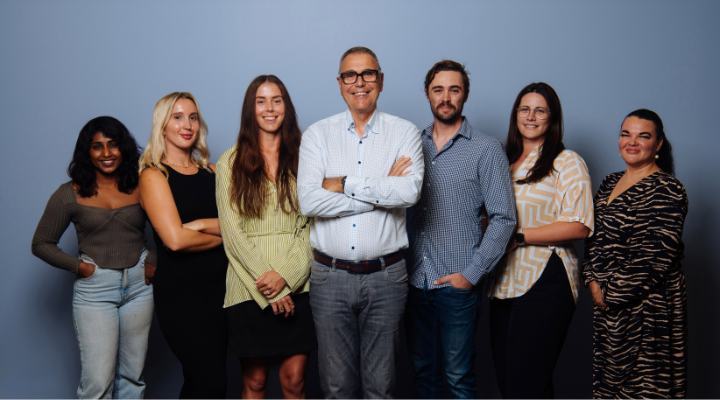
point(638, 142)
point(269, 108)
point(105, 154)
point(361, 97)
point(446, 95)
point(181, 131)
point(531, 128)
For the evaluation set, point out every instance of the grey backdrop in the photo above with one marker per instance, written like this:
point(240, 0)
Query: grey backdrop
point(63, 63)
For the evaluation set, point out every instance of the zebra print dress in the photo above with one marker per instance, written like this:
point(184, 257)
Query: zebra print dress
point(640, 342)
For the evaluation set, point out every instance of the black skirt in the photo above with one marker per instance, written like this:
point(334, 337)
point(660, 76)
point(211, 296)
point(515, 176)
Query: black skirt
point(255, 332)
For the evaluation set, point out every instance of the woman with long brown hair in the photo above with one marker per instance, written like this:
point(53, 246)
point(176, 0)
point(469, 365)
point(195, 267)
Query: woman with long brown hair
point(537, 283)
point(267, 241)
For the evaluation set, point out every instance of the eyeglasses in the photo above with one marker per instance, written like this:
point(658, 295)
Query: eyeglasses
point(368, 75)
point(540, 113)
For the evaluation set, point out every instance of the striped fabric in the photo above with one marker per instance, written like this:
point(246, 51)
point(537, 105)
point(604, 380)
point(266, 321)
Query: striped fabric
point(640, 342)
point(114, 239)
point(563, 196)
point(279, 242)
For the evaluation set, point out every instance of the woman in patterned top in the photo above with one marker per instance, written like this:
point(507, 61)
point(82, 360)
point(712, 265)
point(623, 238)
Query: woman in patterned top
point(632, 267)
point(267, 243)
point(537, 283)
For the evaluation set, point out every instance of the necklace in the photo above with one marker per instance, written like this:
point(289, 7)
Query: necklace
point(180, 166)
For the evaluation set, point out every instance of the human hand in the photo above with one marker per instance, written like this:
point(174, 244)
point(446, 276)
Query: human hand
point(398, 169)
point(149, 273)
point(333, 185)
point(597, 295)
point(284, 305)
point(270, 284)
point(456, 280)
point(85, 270)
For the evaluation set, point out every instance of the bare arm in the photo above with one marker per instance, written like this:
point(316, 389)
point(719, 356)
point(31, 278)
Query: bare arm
point(211, 226)
point(157, 200)
point(556, 233)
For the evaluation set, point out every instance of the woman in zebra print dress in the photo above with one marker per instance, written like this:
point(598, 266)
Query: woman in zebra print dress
point(632, 267)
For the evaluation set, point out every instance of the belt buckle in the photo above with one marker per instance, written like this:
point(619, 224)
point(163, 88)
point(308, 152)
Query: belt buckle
point(347, 267)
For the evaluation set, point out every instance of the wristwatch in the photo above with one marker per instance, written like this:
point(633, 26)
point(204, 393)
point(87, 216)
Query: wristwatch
point(342, 181)
point(520, 238)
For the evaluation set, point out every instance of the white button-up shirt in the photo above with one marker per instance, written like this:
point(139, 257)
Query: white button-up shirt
point(368, 220)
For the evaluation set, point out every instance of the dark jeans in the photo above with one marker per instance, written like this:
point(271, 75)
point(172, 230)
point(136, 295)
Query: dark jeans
point(527, 334)
point(357, 321)
point(440, 327)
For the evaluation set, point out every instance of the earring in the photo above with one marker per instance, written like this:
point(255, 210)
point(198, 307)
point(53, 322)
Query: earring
point(657, 156)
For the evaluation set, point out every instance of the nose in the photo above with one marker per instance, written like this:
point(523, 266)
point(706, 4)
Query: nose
point(106, 151)
point(531, 115)
point(360, 82)
point(187, 123)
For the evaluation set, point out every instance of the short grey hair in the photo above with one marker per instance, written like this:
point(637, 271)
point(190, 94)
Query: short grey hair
point(356, 50)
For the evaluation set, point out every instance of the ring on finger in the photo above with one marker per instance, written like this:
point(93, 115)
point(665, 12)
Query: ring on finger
point(282, 308)
point(267, 292)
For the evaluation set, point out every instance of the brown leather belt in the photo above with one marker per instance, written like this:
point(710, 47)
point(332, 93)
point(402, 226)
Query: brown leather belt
point(360, 266)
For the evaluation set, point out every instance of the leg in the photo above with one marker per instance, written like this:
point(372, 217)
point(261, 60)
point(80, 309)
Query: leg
point(254, 376)
point(292, 375)
point(382, 301)
point(95, 313)
point(499, 323)
point(423, 343)
point(538, 324)
point(457, 312)
point(136, 314)
point(333, 294)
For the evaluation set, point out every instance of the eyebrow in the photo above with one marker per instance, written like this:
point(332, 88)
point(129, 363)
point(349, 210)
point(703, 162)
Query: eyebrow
point(626, 131)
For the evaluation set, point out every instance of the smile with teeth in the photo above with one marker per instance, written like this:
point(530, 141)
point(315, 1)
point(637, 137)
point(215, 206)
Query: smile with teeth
point(360, 93)
point(270, 119)
point(108, 162)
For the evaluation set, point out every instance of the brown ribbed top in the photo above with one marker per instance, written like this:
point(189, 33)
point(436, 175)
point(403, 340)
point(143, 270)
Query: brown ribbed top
point(114, 239)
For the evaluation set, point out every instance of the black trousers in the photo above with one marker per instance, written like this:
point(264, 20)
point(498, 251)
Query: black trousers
point(527, 334)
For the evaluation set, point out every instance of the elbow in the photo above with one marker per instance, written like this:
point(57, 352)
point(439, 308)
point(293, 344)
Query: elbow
point(174, 243)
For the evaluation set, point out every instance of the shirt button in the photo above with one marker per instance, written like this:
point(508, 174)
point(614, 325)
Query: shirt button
point(353, 194)
point(423, 233)
point(353, 247)
point(433, 162)
point(359, 162)
point(361, 142)
point(425, 208)
point(428, 185)
point(424, 258)
point(353, 225)
point(377, 201)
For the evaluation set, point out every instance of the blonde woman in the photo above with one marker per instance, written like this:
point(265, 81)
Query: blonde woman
point(177, 190)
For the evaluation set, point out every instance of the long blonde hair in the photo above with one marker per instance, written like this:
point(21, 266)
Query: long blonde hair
point(155, 151)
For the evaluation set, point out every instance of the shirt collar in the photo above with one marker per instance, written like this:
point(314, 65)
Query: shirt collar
point(465, 130)
point(373, 123)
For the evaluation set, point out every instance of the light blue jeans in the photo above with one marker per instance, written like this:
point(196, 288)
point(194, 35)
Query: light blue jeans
point(357, 320)
point(112, 310)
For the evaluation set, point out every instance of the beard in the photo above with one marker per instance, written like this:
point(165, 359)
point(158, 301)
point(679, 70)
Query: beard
point(448, 119)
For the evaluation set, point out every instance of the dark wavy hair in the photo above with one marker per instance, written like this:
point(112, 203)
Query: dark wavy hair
point(448, 65)
point(249, 189)
point(553, 144)
point(665, 157)
point(81, 169)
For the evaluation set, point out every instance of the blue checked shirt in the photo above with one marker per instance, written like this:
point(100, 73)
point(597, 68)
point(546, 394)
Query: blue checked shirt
point(347, 227)
point(468, 174)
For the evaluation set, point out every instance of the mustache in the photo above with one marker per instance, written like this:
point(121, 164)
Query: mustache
point(446, 104)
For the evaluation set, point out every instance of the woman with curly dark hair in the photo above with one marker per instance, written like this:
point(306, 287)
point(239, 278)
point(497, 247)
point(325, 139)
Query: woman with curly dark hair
point(112, 305)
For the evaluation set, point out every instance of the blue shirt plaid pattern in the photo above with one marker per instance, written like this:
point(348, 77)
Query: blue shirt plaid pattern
point(470, 173)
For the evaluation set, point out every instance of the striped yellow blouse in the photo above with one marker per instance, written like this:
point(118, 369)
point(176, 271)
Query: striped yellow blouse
point(563, 196)
point(279, 242)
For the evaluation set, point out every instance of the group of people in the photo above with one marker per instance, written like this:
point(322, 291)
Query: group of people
point(332, 238)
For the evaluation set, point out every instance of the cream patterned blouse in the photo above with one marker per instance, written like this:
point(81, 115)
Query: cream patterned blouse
point(565, 196)
point(278, 241)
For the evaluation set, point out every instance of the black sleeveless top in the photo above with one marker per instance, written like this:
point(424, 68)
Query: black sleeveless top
point(195, 199)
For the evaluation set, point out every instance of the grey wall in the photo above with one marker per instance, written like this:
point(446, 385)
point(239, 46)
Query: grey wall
point(63, 63)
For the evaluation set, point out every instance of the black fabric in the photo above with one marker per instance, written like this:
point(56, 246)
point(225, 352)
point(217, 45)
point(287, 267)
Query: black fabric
point(527, 334)
point(255, 332)
point(189, 291)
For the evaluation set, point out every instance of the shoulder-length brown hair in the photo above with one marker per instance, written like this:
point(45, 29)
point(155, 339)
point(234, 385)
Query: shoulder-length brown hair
point(553, 144)
point(249, 187)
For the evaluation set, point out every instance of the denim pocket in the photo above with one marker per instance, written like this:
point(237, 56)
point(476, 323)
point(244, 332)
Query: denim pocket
point(89, 261)
point(319, 275)
point(397, 273)
point(461, 290)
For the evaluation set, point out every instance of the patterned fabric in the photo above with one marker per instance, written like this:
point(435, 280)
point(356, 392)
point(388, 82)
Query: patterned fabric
point(331, 148)
point(563, 196)
point(254, 246)
point(640, 343)
point(470, 172)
